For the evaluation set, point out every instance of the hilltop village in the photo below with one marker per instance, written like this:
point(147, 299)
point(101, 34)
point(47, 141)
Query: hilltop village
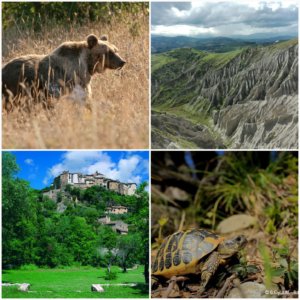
point(63, 182)
point(85, 181)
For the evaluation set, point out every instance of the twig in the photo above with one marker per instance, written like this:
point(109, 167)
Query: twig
point(182, 220)
point(172, 282)
point(166, 293)
point(176, 175)
point(228, 281)
point(161, 195)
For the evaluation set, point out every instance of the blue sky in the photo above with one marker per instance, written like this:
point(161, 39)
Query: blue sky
point(40, 167)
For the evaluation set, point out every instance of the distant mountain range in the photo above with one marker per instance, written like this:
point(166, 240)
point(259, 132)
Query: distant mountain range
point(161, 44)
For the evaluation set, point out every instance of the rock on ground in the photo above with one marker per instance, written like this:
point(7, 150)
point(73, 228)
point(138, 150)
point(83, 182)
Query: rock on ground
point(24, 287)
point(97, 288)
point(236, 223)
point(249, 290)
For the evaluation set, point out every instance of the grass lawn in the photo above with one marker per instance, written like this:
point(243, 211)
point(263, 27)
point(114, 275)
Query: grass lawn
point(73, 283)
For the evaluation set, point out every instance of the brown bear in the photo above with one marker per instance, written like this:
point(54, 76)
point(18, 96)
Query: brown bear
point(68, 68)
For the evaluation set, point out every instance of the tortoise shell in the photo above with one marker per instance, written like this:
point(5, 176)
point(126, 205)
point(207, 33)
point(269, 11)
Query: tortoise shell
point(180, 253)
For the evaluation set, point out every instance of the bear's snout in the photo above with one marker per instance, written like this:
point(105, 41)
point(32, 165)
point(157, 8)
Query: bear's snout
point(115, 62)
point(122, 63)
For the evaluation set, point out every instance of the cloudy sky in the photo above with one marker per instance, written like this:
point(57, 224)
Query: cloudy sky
point(224, 18)
point(40, 167)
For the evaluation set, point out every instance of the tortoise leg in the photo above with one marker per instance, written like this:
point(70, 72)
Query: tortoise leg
point(209, 268)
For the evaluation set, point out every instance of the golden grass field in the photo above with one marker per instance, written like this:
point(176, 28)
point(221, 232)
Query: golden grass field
point(119, 114)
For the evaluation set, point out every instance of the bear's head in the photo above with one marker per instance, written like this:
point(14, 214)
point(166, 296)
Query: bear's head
point(103, 54)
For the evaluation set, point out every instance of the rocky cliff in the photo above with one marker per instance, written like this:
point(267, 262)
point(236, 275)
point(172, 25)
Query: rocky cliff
point(248, 97)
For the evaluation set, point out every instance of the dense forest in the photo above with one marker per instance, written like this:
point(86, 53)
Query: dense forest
point(36, 233)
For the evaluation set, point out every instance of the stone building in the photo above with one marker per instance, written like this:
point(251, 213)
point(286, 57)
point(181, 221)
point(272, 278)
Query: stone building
point(116, 210)
point(84, 181)
point(128, 189)
point(113, 185)
point(105, 220)
point(121, 188)
point(52, 194)
point(117, 226)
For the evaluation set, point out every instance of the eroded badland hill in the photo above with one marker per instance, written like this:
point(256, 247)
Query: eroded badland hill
point(247, 98)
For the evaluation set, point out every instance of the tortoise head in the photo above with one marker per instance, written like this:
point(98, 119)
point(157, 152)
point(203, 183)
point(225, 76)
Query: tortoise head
point(230, 247)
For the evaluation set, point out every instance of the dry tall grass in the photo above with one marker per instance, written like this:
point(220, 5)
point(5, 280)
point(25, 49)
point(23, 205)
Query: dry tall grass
point(119, 114)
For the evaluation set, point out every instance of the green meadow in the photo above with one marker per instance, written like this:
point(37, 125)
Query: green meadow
point(74, 283)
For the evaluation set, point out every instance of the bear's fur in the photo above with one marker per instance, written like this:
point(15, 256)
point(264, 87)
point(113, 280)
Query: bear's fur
point(70, 65)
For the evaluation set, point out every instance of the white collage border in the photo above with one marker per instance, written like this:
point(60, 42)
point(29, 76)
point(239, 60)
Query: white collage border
point(149, 146)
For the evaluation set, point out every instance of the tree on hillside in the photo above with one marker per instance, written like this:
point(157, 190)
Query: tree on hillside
point(128, 249)
point(95, 195)
point(52, 248)
point(82, 240)
point(18, 215)
point(107, 246)
point(91, 215)
point(49, 206)
point(140, 221)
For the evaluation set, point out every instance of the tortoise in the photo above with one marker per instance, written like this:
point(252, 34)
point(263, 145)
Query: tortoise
point(195, 251)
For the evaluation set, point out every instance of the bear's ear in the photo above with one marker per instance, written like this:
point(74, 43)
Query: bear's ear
point(104, 37)
point(92, 41)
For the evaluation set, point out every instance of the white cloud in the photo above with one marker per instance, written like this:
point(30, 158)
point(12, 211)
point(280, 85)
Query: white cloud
point(127, 169)
point(257, 4)
point(29, 161)
point(104, 165)
point(211, 17)
point(56, 170)
point(32, 168)
point(176, 30)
